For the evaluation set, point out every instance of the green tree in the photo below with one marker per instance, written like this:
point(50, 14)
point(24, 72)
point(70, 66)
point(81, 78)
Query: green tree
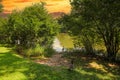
point(3, 30)
point(31, 26)
point(104, 16)
point(1, 6)
point(81, 31)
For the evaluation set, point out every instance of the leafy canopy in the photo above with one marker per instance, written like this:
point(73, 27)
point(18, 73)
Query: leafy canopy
point(31, 26)
point(1, 6)
point(104, 16)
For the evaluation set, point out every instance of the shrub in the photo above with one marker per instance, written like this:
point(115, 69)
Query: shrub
point(19, 49)
point(31, 26)
point(34, 52)
point(38, 51)
point(28, 52)
point(49, 52)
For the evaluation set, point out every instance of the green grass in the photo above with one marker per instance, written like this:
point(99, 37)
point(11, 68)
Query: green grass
point(101, 69)
point(65, 40)
point(14, 67)
point(4, 49)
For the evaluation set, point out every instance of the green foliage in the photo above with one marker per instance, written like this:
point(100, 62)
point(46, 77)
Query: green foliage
point(3, 31)
point(95, 19)
point(83, 33)
point(49, 52)
point(39, 51)
point(34, 52)
point(29, 52)
point(1, 6)
point(31, 26)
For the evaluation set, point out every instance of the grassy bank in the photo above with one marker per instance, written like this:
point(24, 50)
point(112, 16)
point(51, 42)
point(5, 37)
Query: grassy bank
point(14, 67)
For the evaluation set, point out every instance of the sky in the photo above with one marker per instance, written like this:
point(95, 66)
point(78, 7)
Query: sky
point(51, 5)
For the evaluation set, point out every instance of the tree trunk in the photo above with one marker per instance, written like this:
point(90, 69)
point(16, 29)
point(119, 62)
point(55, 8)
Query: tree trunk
point(111, 54)
point(88, 46)
point(111, 39)
point(112, 46)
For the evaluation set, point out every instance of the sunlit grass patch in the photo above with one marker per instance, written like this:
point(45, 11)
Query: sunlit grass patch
point(14, 76)
point(4, 49)
point(97, 66)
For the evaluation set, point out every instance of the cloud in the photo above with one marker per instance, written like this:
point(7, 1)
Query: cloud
point(22, 1)
point(51, 5)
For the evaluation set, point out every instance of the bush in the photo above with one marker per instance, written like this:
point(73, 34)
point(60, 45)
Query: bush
point(31, 26)
point(39, 51)
point(28, 52)
point(19, 49)
point(49, 52)
point(34, 52)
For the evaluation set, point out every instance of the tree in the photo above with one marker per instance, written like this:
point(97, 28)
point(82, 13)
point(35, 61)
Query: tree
point(1, 6)
point(3, 31)
point(31, 26)
point(2, 21)
point(81, 31)
point(104, 16)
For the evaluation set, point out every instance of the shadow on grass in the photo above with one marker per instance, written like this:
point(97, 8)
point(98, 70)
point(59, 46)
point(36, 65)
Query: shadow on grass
point(98, 67)
point(13, 67)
